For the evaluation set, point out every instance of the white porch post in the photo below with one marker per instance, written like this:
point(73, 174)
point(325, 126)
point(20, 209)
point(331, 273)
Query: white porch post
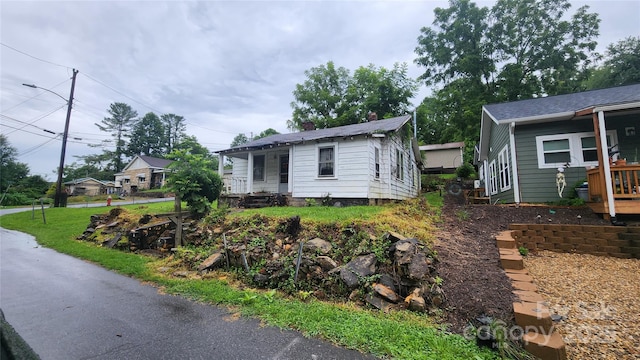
point(250, 173)
point(290, 175)
point(221, 165)
point(605, 164)
point(514, 165)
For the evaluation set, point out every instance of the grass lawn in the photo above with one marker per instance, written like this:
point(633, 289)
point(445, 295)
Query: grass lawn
point(400, 335)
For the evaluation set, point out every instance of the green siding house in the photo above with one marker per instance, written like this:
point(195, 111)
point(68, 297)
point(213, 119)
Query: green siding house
point(537, 150)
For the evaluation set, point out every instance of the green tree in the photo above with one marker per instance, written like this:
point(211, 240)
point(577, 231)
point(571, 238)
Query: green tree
point(193, 179)
point(621, 65)
point(148, 137)
point(266, 133)
point(175, 127)
point(77, 171)
point(12, 172)
point(330, 97)
point(119, 124)
point(191, 145)
point(239, 140)
point(518, 49)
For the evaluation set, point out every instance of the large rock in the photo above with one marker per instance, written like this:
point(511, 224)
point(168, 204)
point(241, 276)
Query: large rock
point(361, 266)
point(211, 261)
point(386, 293)
point(326, 263)
point(415, 301)
point(419, 267)
point(319, 245)
point(404, 250)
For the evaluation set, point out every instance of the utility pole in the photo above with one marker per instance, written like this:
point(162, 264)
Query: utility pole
point(58, 197)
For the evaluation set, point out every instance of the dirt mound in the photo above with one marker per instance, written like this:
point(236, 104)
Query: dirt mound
point(474, 282)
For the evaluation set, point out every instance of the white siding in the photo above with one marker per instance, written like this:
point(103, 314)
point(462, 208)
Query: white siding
point(351, 170)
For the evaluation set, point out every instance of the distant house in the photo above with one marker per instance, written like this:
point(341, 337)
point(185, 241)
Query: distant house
point(442, 158)
point(536, 150)
point(356, 164)
point(89, 187)
point(143, 172)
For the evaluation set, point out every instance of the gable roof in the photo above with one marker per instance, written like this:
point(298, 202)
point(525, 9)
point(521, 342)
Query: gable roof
point(87, 179)
point(367, 128)
point(155, 162)
point(561, 106)
point(555, 108)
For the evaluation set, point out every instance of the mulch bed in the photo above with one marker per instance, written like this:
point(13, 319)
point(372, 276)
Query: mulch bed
point(597, 296)
point(474, 282)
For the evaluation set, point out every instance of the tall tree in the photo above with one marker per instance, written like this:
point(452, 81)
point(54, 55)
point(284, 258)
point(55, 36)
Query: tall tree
point(265, 133)
point(518, 49)
point(148, 137)
point(239, 140)
point(175, 130)
point(191, 145)
point(12, 172)
point(122, 117)
point(621, 65)
point(332, 97)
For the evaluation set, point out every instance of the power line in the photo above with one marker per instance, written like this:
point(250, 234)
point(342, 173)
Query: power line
point(33, 57)
point(121, 93)
point(33, 149)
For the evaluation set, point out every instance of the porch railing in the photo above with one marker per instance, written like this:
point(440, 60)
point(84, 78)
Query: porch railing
point(625, 181)
point(238, 185)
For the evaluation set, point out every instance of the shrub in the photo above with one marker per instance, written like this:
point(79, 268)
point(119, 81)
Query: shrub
point(465, 171)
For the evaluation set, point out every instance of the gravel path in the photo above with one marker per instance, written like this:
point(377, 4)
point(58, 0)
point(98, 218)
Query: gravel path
point(599, 298)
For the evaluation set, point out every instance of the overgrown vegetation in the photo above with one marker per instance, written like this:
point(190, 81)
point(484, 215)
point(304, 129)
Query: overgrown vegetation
point(395, 334)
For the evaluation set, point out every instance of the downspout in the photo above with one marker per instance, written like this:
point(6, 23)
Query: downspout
point(514, 166)
point(605, 166)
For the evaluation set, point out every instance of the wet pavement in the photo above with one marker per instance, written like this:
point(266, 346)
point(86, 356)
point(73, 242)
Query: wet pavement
point(66, 308)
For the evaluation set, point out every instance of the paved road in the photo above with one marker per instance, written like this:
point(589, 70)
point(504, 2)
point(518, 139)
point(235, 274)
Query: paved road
point(66, 308)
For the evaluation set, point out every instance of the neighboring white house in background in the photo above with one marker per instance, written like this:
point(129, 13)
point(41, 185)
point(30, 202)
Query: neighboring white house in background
point(141, 173)
point(356, 164)
point(442, 158)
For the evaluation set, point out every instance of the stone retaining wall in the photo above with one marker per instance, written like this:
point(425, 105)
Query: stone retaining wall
point(617, 241)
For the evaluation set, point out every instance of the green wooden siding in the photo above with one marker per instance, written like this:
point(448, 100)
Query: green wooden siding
point(500, 138)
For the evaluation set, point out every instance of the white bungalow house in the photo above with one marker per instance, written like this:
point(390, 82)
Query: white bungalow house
point(141, 173)
point(363, 163)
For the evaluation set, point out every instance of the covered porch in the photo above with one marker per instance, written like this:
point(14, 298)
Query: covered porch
point(614, 186)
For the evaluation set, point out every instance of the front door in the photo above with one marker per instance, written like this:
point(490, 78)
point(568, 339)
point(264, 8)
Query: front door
point(283, 183)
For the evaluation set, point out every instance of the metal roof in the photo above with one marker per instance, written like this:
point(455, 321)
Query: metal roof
point(367, 128)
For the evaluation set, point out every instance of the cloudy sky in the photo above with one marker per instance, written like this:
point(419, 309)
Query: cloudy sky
point(228, 67)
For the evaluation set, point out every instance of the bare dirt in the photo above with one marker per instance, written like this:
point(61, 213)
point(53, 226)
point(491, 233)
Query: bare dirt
point(474, 282)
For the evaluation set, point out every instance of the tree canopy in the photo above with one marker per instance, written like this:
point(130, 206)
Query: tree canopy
point(194, 180)
point(149, 137)
point(119, 125)
point(518, 49)
point(332, 97)
point(621, 65)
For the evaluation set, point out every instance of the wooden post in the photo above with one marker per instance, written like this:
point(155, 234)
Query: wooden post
point(178, 209)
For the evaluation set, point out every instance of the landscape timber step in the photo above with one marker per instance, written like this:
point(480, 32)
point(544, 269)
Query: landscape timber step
point(547, 347)
point(533, 317)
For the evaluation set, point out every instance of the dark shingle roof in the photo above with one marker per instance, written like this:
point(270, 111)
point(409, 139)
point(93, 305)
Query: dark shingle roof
point(371, 127)
point(560, 104)
point(155, 162)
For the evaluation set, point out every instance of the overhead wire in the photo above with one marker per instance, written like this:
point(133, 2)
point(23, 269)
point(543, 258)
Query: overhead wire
point(33, 57)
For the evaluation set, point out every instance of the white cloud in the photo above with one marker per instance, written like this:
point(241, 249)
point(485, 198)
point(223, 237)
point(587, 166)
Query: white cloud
point(228, 67)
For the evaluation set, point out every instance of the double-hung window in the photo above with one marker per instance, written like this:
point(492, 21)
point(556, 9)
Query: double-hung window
point(493, 178)
point(258, 167)
point(399, 164)
point(503, 169)
point(326, 161)
point(377, 163)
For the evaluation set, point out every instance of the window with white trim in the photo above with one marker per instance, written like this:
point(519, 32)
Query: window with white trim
point(399, 164)
point(258, 167)
point(576, 149)
point(493, 178)
point(326, 161)
point(503, 169)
